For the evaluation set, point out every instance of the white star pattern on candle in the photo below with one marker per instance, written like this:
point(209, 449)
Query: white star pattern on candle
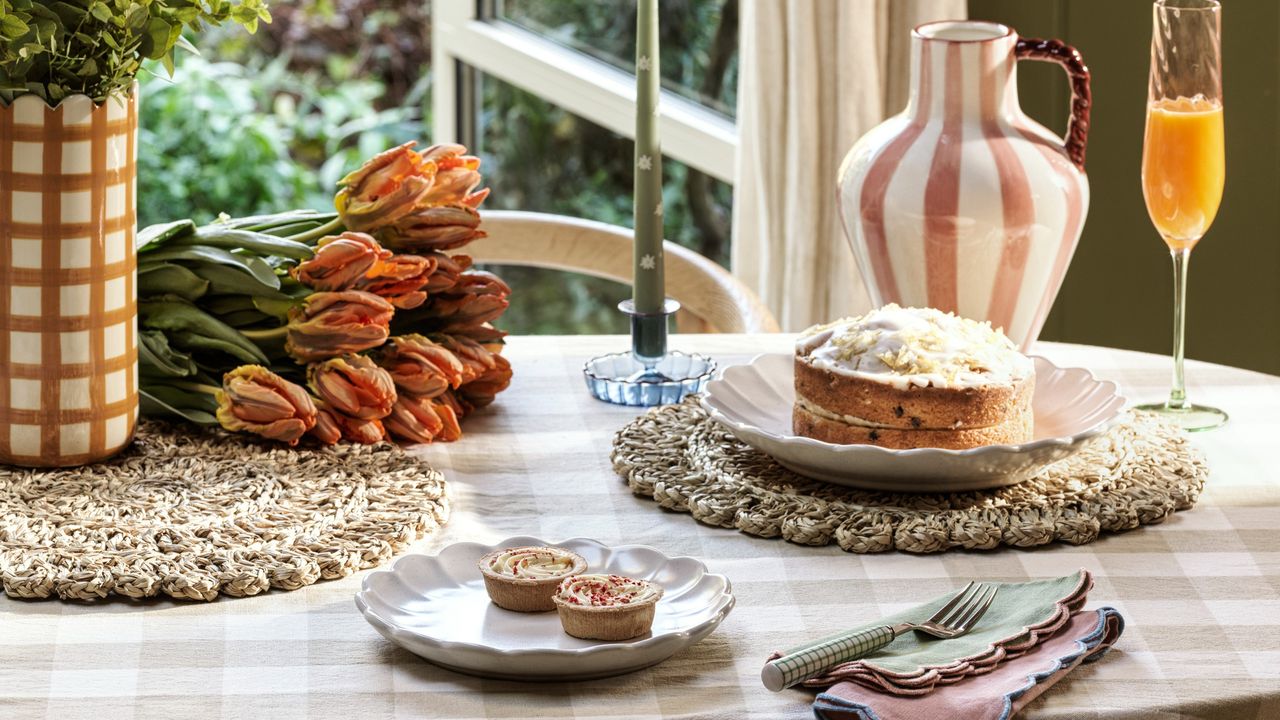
point(643, 63)
point(658, 210)
point(648, 263)
point(645, 162)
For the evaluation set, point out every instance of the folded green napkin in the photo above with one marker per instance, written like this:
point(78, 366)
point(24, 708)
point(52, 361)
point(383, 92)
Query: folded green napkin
point(913, 663)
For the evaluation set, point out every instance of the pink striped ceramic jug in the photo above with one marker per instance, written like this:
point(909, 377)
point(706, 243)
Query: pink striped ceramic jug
point(962, 202)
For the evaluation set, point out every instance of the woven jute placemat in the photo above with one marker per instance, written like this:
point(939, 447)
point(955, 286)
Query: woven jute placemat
point(192, 513)
point(1138, 473)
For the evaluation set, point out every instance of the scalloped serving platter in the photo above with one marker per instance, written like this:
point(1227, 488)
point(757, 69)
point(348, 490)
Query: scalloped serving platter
point(437, 608)
point(754, 402)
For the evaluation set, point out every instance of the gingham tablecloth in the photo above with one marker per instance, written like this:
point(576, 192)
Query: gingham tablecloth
point(1201, 592)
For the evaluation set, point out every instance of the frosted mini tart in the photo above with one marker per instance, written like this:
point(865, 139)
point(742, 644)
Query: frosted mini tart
point(523, 579)
point(606, 607)
point(912, 377)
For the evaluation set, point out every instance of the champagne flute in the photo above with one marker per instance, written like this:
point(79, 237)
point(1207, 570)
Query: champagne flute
point(1183, 161)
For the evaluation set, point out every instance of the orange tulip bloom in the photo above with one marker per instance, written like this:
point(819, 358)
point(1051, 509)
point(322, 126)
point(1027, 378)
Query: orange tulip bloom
point(444, 227)
point(422, 420)
point(329, 324)
point(256, 400)
point(359, 430)
point(476, 359)
point(333, 426)
point(386, 188)
point(400, 279)
point(420, 366)
point(353, 385)
point(457, 176)
point(482, 391)
point(476, 298)
point(449, 269)
point(340, 262)
point(326, 430)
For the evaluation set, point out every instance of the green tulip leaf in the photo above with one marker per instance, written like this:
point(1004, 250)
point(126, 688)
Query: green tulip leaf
point(157, 357)
point(194, 341)
point(263, 223)
point(254, 242)
point(245, 318)
point(218, 256)
point(222, 305)
point(278, 309)
point(166, 401)
point(171, 279)
point(154, 236)
point(225, 280)
point(189, 327)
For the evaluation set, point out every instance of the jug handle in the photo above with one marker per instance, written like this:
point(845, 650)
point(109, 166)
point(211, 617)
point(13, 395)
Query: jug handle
point(1056, 51)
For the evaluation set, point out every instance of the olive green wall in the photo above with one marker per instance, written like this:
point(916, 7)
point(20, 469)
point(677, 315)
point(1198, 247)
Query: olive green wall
point(1119, 289)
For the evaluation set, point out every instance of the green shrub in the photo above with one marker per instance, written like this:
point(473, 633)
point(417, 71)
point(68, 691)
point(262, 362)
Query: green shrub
point(228, 138)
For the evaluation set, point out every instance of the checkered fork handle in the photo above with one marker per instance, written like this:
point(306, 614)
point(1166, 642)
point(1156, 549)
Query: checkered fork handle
point(68, 309)
point(806, 661)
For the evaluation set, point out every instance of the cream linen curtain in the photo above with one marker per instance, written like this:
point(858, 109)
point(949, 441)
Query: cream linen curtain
point(815, 75)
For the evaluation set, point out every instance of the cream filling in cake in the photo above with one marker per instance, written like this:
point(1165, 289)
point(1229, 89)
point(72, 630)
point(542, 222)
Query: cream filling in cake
point(605, 591)
point(535, 563)
point(822, 412)
point(916, 346)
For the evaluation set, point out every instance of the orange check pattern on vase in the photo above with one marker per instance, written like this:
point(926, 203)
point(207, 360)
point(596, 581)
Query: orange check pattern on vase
point(68, 300)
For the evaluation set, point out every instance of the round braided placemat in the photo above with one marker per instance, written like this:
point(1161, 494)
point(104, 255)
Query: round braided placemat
point(1138, 473)
point(192, 513)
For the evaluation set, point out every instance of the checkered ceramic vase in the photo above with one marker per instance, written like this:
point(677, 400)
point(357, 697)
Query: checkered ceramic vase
point(68, 348)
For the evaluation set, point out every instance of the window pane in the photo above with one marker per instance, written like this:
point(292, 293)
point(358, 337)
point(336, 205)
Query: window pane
point(699, 40)
point(539, 157)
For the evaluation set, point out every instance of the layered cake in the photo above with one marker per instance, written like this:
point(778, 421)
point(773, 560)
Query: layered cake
point(912, 377)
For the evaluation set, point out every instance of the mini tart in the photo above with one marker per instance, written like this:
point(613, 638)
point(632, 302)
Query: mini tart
point(606, 607)
point(523, 579)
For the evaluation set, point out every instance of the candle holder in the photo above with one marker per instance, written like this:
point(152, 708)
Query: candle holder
point(648, 375)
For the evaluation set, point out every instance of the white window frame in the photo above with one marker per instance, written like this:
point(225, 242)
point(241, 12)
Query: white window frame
point(463, 40)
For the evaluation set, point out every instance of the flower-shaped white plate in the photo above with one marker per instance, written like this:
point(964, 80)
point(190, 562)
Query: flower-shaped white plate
point(436, 607)
point(754, 402)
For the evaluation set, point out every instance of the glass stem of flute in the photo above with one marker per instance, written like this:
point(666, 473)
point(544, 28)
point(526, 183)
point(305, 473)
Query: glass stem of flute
point(1181, 257)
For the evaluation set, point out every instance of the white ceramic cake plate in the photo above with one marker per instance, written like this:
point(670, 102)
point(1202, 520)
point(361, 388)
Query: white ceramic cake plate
point(436, 607)
point(754, 402)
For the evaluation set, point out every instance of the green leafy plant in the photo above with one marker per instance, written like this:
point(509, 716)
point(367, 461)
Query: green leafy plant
point(284, 138)
point(97, 47)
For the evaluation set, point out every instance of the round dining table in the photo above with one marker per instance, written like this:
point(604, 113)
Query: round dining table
point(1200, 592)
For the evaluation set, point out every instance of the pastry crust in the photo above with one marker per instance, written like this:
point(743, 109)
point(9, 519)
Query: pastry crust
point(1013, 430)
point(524, 594)
point(608, 622)
point(912, 407)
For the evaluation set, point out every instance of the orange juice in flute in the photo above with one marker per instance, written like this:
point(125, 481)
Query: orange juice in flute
point(1183, 167)
point(1183, 161)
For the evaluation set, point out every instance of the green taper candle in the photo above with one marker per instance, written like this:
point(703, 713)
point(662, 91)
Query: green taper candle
point(649, 285)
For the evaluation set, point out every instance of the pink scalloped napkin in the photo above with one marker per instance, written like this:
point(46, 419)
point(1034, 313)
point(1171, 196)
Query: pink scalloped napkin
point(1022, 615)
point(998, 693)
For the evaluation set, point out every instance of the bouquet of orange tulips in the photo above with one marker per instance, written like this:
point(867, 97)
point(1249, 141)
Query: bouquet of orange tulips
point(357, 325)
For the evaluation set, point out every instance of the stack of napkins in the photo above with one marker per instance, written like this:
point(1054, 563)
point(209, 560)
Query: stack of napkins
point(1033, 634)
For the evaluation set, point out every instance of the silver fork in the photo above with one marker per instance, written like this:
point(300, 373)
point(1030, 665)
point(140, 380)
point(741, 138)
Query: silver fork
point(956, 618)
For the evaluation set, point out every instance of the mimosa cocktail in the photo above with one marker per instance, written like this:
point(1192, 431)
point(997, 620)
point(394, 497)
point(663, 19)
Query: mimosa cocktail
point(1184, 161)
point(1183, 168)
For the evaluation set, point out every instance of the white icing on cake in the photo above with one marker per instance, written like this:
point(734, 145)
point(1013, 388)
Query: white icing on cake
point(535, 563)
point(606, 591)
point(916, 346)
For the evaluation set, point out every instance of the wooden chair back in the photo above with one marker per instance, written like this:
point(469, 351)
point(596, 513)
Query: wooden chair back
point(711, 299)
